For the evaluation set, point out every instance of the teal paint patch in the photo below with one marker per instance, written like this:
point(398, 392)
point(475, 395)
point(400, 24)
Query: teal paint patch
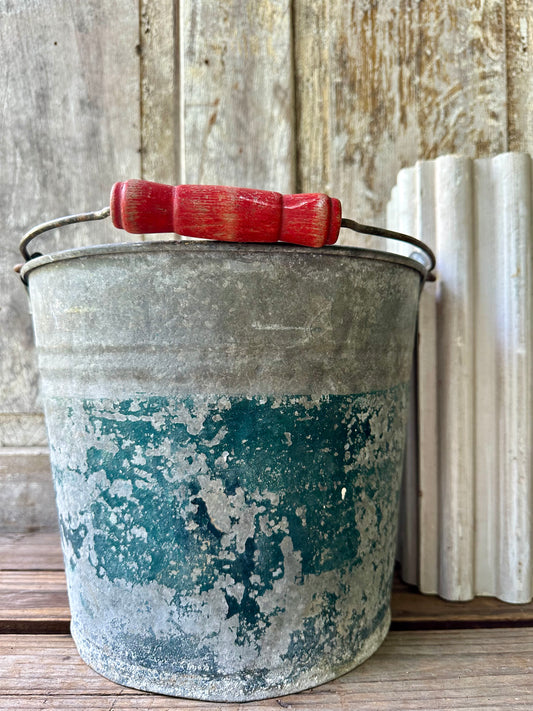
point(211, 526)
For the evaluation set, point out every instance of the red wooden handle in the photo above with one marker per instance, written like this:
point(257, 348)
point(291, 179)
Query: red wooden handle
point(224, 213)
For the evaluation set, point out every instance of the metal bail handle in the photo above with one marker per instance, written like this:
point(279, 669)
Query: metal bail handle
point(226, 214)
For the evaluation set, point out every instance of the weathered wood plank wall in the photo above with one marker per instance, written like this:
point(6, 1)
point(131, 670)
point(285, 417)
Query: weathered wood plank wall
point(69, 82)
point(291, 95)
point(236, 94)
point(159, 98)
point(519, 49)
point(380, 85)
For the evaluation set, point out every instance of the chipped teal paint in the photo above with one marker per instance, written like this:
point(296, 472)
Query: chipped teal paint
point(228, 547)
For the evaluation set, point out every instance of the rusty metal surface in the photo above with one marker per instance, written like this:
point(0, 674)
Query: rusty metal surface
point(226, 427)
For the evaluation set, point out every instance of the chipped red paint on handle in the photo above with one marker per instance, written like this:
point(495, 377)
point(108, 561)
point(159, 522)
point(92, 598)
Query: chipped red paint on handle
point(225, 213)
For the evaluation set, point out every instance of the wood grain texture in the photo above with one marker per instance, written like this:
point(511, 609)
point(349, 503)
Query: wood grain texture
point(224, 213)
point(413, 611)
point(33, 591)
point(236, 94)
point(35, 601)
point(66, 133)
point(379, 85)
point(70, 116)
point(22, 429)
point(373, 87)
point(31, 551)
point(159, 100)
point(519, 65)
point(70, 127)
point(27, 499)
point(467, 669)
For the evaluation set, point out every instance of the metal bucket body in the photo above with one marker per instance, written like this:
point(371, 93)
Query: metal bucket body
point(227, 428)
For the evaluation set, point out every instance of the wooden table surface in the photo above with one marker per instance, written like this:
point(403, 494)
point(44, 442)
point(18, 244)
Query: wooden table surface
point(439, 655)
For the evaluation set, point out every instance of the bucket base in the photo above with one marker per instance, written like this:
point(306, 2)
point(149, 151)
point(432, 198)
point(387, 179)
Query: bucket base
point(231, 688)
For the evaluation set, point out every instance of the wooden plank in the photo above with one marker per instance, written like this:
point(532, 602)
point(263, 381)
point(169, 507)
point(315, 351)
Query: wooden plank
point(379, 85)
point(70, 128)
point(491, 669)
point(67, 134)
point(31, 551)
point(519, 65)
point(22, 429)
point(236, 94)
point(413, 611)
point(313, 77)
point(32, 582)
point(159, 98)
point(36, 602)
point(27, 501)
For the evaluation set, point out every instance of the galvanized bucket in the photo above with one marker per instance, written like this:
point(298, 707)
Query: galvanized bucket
point(226, 428)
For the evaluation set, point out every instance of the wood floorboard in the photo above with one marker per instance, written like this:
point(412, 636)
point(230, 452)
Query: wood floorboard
point(33, 595)
point(36, 601)
point(31, 551)
point(411, 610)
point(439, 655)
point(459, 669)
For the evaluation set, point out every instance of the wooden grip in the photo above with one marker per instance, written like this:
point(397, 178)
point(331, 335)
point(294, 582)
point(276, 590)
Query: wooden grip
point(225, 213)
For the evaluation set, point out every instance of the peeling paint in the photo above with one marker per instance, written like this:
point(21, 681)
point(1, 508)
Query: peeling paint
point(228, 547)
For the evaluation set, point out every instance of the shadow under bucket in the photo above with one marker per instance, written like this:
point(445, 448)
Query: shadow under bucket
point(227, 427)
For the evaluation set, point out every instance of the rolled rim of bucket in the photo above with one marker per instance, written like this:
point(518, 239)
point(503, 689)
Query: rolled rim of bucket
point(225, 247)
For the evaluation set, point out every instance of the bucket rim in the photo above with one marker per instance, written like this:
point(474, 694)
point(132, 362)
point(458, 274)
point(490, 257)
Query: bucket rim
point(224, 247)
